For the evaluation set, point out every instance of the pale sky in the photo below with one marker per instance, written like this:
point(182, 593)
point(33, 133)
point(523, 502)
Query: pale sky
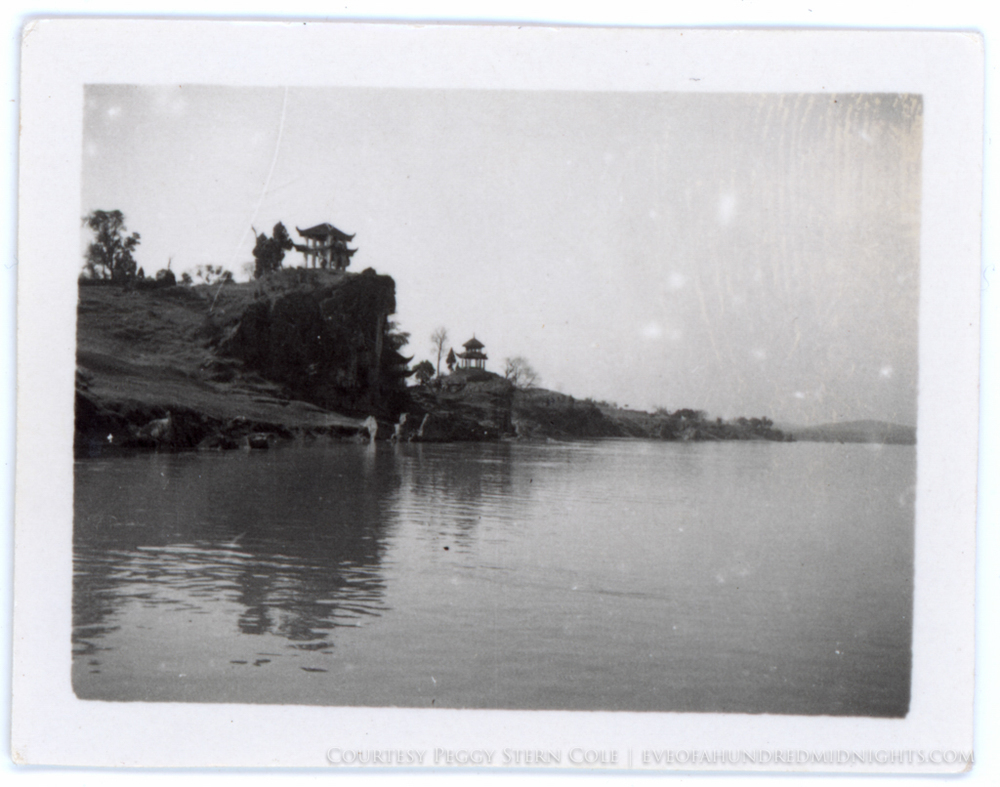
point(742, 254)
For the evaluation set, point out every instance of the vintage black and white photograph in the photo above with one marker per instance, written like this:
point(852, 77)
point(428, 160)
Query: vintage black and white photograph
point(477, 399)
point(505, 398)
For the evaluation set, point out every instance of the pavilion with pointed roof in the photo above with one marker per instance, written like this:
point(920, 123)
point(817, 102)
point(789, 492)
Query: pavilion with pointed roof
point(325, 247)
point(473, 357)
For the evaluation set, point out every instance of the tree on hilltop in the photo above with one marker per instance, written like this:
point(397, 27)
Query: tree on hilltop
point(110, 255)
point(424, 371)
point(269, 252)
point(213, 274)
point(519, 372)
point(438, 340)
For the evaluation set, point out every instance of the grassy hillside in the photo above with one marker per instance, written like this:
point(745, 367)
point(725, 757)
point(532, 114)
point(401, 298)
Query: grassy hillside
point(141, 354)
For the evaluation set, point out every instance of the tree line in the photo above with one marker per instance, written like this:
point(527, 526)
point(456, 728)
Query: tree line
point(110, 257)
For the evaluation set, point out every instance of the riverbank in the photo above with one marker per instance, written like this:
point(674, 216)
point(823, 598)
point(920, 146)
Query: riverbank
point(308, 353)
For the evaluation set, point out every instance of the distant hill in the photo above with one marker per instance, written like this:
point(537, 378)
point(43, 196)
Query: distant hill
point(855, 432)
point(539, 413)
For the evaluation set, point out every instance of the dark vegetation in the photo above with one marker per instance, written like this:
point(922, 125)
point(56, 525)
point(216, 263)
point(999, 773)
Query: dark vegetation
point(109, 257)
point(210, 274)
point(268, 253)
point(110, 260)
point(424, 372)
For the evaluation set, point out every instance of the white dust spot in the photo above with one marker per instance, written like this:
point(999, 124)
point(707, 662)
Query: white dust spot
point(727, 208)
point(170, 101)
point(114, 112)
point(652, 213)
point(652, 331)
point(799, 395)
point(885, 372)
point(676, 281)
point(759, 354)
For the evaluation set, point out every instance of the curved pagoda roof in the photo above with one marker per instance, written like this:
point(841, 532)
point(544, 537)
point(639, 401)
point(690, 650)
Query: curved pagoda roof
point(323, 231)
point(473, 344)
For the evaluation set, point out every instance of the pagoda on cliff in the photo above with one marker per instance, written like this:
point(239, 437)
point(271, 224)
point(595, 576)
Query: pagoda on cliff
point(473, 357)
point(325, 247)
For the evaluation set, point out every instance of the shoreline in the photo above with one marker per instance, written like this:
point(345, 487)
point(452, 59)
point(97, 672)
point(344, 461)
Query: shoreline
point(311, 353)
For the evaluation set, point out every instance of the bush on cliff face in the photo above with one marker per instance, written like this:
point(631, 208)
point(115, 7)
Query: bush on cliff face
point(329, 342)
point(395, 370)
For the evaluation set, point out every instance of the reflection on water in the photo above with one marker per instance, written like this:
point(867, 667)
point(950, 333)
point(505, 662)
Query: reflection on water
point(620, 575)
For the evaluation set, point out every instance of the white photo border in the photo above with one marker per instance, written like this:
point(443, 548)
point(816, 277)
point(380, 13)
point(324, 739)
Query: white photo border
point(50, 726)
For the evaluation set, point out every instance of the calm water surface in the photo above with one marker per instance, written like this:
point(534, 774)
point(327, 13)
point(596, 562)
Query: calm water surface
point(612, 575)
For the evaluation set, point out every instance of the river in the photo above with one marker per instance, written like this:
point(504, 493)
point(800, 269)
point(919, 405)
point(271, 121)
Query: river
point(608, 575)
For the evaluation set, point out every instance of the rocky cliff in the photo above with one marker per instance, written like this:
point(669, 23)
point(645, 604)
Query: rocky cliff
point(298, 352)
point(326, 338)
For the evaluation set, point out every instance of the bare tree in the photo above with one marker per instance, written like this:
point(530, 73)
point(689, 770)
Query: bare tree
point(519, 372)
point(438, 340)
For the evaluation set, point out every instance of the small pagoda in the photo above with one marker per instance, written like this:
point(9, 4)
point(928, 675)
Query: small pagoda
point(325, 247)
point(473, 357)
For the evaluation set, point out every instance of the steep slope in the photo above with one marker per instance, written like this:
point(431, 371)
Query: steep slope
point(189, 352)
point(323, 336)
